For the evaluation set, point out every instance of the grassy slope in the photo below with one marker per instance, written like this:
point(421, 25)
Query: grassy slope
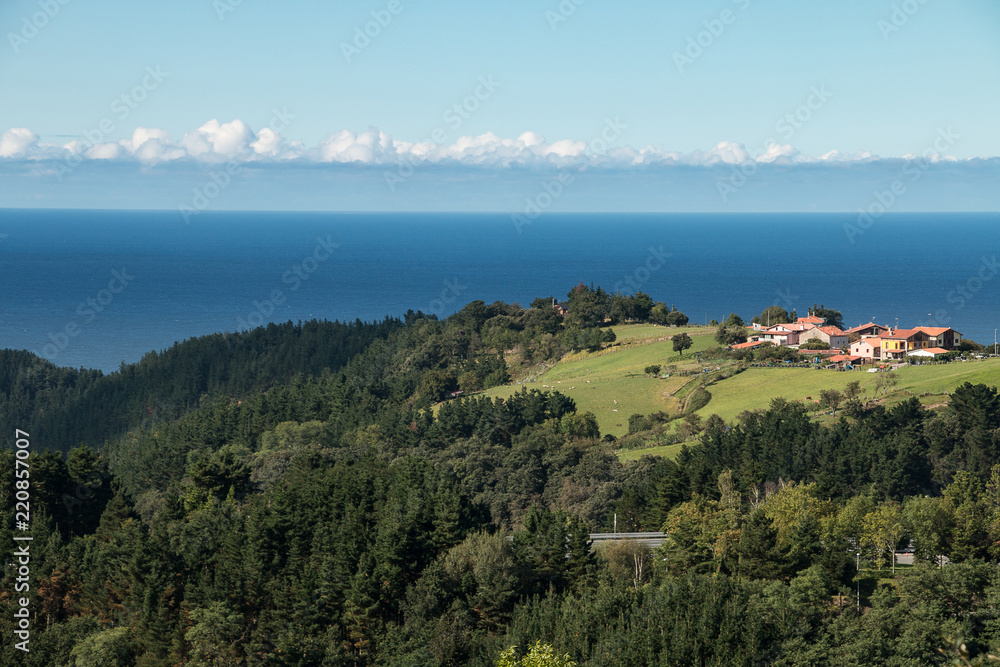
point(596, 380)
point(666, 451)
point(945, 378)
point(755, 387)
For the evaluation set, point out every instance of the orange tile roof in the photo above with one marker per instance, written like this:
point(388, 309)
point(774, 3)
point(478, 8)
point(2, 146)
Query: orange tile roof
point(811, 319)
point(934, 331)
point(832, 331)
point(844, 357)
point(748, 344)
point(901, 333)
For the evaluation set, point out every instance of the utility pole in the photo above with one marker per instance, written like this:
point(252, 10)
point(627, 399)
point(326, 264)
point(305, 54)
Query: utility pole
point(994, 342)
point(859, 581)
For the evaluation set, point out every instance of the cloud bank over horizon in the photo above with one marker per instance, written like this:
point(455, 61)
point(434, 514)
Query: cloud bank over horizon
point(235, 141)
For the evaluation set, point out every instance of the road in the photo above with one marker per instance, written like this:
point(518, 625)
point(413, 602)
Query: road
point(653, 540)
point(650, 539)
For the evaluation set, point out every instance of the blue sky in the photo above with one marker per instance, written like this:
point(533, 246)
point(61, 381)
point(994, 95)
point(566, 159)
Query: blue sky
point(654, 105)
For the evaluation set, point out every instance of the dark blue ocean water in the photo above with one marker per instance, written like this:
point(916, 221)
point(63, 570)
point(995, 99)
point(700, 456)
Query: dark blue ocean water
point(228, 270)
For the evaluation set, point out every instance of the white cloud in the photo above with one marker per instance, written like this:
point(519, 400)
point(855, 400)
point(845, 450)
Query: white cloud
point(268, 143)
point(143, 134)
point(530, 139)
point(150, 144)
point(105, 152)
point(727, 152)
point(778, 153)
point(372, 147)
point(235, 140)
point(860, 156)
point(565, 148)
point(158, 150)
point(16, 141)
point(225, 140)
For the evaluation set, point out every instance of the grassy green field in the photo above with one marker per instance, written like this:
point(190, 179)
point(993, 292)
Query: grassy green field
point(755, 387)
point(666, 451)
point(612, 384)
point(633, 331)
point(944, 378)
point(611, 398)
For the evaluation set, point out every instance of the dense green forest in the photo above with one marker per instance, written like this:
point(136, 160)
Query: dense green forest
point(67, 407)
point(320, 494)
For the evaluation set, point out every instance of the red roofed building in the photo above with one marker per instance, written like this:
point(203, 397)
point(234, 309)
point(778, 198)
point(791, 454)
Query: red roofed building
point(750, 344)
point(944, 337)
point(811, 319)
point(897, 343)
point(832, 336)
point(783, 334)
point(845, 359)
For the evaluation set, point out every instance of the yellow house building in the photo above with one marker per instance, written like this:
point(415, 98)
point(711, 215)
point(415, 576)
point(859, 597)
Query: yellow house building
point(895, 344)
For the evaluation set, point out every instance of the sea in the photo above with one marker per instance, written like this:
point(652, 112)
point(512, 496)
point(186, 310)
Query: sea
point(96, 289)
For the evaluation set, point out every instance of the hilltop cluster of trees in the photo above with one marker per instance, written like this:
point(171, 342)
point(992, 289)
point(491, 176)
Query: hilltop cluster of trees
point(592, 306)
point(327, 511)
point(777, 315)
point(732, 331)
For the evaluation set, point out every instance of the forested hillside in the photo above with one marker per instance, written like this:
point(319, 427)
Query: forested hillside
point(67, 407)
point(312, 496)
